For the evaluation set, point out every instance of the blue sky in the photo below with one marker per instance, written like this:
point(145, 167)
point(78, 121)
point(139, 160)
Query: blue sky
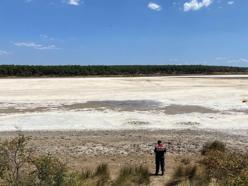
point(106, 32)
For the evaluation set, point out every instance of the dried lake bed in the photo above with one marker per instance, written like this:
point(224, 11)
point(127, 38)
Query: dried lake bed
point(87, 121)
point(125, 103)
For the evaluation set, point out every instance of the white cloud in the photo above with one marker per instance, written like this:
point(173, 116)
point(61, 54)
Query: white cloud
point(196, 5)
point(3, 53)
point(73, 2)
point(36, 46)
point(49, 39)
point(230, 2)
point(154, 6)
point(232, 61)
point(240, 60)
point(46, 37)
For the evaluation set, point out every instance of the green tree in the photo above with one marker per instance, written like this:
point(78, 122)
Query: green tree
point(49, 171)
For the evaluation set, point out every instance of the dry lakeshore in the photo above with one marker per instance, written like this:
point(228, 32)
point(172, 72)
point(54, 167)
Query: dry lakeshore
point(88, 149)
point(87, 121)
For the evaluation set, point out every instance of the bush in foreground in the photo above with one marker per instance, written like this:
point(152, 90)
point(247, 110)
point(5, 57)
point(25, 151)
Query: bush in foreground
point(226, 167)
point(213, 146)
point(217, 166)
point(49, 171)
point(189, 174)
point(14, 160)
point(133, 176)
point(19, 168)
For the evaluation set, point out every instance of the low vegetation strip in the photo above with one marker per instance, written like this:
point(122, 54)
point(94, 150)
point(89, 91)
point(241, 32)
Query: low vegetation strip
point(125, 70)
point(19, 167)
point(216, 165)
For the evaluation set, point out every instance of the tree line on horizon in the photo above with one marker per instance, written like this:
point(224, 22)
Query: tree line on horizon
point(113, 70)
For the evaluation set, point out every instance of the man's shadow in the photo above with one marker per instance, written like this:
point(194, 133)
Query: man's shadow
point(152, 174)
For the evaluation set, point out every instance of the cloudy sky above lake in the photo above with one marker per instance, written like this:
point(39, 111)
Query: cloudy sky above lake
point(92, 32)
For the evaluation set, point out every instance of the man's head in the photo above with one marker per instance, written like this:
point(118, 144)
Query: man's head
point(159, 141)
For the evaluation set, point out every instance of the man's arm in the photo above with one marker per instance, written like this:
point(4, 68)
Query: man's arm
point(155, 150)
point(165, 149)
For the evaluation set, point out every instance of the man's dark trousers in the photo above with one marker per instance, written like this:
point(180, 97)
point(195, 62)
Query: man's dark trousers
point(159, 164)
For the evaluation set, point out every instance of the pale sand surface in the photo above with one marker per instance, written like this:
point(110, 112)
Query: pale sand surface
point(175, 102)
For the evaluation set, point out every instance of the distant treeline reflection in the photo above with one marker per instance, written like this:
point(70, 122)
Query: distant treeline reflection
point(117, 70)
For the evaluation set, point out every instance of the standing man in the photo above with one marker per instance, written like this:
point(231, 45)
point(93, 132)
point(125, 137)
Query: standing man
point(159, 150)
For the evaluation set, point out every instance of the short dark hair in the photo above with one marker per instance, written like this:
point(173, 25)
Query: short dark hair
point(159, 141)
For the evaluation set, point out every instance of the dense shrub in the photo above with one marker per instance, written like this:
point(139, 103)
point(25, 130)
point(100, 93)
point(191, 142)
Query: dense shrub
point(133, 176)
point(99, 177)
point(14, 160)
point(102, 172)
point(225, 166)
point(85, 174)
point(241, 179)
point(189, 174)
point(49, 171)
point(73, 179)
point(213, 146)
point(19, 168)
point(217, 166)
